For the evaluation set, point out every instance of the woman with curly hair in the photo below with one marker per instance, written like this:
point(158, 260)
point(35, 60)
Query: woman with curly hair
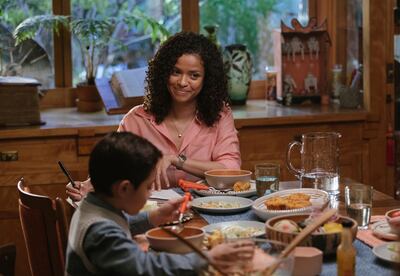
point(185, 112)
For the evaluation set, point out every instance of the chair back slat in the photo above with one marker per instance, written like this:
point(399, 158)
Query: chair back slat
point(45, 231)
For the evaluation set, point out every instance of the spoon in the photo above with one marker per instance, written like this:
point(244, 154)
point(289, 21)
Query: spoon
point(325, 216)
point(179, 227)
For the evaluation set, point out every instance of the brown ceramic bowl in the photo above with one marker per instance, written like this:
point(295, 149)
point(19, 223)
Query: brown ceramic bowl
point(225, 178)
point(326, 242)
point(394, 224)
point(160, 240)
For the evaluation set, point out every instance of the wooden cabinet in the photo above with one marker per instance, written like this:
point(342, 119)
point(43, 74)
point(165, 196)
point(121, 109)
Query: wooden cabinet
point(269, 143)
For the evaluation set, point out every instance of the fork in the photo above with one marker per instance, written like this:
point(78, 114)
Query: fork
point(179, 227)
point(218, 190)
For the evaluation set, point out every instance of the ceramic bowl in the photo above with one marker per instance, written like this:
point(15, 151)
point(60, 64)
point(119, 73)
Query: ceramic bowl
point(393, 223)
point(326, 242)
point(225, 178)
point(159, 240)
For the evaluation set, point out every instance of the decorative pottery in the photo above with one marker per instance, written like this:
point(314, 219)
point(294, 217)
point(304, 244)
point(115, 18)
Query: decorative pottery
point(212, 34)
point(238, 68)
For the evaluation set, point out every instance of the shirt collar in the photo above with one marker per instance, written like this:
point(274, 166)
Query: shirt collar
point(93, 199)
point(142, 113)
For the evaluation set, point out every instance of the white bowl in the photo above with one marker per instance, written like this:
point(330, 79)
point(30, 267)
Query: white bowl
point(225, 178)
point(319, 199)
point(160, 240)
point(393, 223)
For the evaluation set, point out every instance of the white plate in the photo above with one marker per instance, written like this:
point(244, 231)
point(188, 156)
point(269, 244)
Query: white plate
point(242, 223)
point(252, 191)
point(382, 230)
point(244, 203)
point(319, 199)
point(387, 252)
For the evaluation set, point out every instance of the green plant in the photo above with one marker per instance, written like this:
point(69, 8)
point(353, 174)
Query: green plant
point(93, 34)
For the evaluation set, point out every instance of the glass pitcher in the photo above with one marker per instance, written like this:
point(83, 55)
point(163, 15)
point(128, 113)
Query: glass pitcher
point(319, 161)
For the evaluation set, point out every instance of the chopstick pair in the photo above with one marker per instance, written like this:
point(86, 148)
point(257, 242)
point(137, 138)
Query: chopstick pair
point(65, 171)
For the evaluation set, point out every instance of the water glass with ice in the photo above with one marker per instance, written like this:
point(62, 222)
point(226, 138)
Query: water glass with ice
point(358, 202)
point(266, 174)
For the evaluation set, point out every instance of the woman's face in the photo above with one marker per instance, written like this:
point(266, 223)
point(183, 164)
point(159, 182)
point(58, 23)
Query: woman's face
point(186, 79)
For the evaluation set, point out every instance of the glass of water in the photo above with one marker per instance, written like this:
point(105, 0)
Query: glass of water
point(266, 174)
point(358, 202)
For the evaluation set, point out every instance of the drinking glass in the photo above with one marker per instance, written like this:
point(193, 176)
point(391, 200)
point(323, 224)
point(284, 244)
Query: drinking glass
point(358, 202)
point(266, 174)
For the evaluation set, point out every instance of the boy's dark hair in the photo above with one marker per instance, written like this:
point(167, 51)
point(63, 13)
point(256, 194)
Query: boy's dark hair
point(214, 94)
point(121, 156)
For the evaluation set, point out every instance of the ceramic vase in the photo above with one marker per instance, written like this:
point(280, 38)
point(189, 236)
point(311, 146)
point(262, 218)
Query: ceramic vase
point(238, 68)
point(212, 34)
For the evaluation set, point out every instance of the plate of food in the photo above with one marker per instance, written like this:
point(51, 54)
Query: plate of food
point(234, 230)
point(240, 188)
point(287, 202)
point(388, 251)
point(221, 204)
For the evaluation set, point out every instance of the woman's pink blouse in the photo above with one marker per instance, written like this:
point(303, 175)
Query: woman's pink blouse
point(218, 143)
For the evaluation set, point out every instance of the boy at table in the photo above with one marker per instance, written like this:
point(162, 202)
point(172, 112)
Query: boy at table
point(122, 170)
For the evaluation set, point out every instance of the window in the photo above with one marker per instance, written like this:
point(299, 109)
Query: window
point(32, 58)
point(130, 47)
point(251, 22)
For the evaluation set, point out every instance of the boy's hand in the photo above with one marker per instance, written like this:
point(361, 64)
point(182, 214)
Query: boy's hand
point(232, 257)
point(81, 190)
point(167, 212)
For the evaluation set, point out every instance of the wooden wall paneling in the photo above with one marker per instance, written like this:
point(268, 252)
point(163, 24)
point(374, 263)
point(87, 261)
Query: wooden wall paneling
point(390, 87)
point(335, 13)
point(312, 8)
point(378, 35)
point(62, 47)
point(190, 15)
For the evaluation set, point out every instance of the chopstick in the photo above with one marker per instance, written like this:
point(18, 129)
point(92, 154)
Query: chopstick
point(64, 170)
point(192, 246)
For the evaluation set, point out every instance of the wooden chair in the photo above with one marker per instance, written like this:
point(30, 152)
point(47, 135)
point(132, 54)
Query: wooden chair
point(45, 229)
point(7, 259)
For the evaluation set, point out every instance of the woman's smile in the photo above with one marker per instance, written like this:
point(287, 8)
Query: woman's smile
point(186, 79)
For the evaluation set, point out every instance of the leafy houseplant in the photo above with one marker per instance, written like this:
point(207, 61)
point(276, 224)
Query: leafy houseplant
point(94, 34)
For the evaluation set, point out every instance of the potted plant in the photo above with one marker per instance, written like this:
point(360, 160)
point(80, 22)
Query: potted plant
point(94, 36)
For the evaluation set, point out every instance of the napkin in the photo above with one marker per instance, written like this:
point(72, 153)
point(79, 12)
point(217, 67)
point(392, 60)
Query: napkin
point(367, 237)
point(164, 194)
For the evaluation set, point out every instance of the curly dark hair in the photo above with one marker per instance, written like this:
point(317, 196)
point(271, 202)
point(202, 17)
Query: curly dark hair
point(213, 95)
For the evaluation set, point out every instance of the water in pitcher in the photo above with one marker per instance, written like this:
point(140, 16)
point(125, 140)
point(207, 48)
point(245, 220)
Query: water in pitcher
point(326, 181)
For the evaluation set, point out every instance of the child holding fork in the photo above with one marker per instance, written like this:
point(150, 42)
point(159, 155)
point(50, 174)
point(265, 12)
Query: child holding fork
point(122, 168)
